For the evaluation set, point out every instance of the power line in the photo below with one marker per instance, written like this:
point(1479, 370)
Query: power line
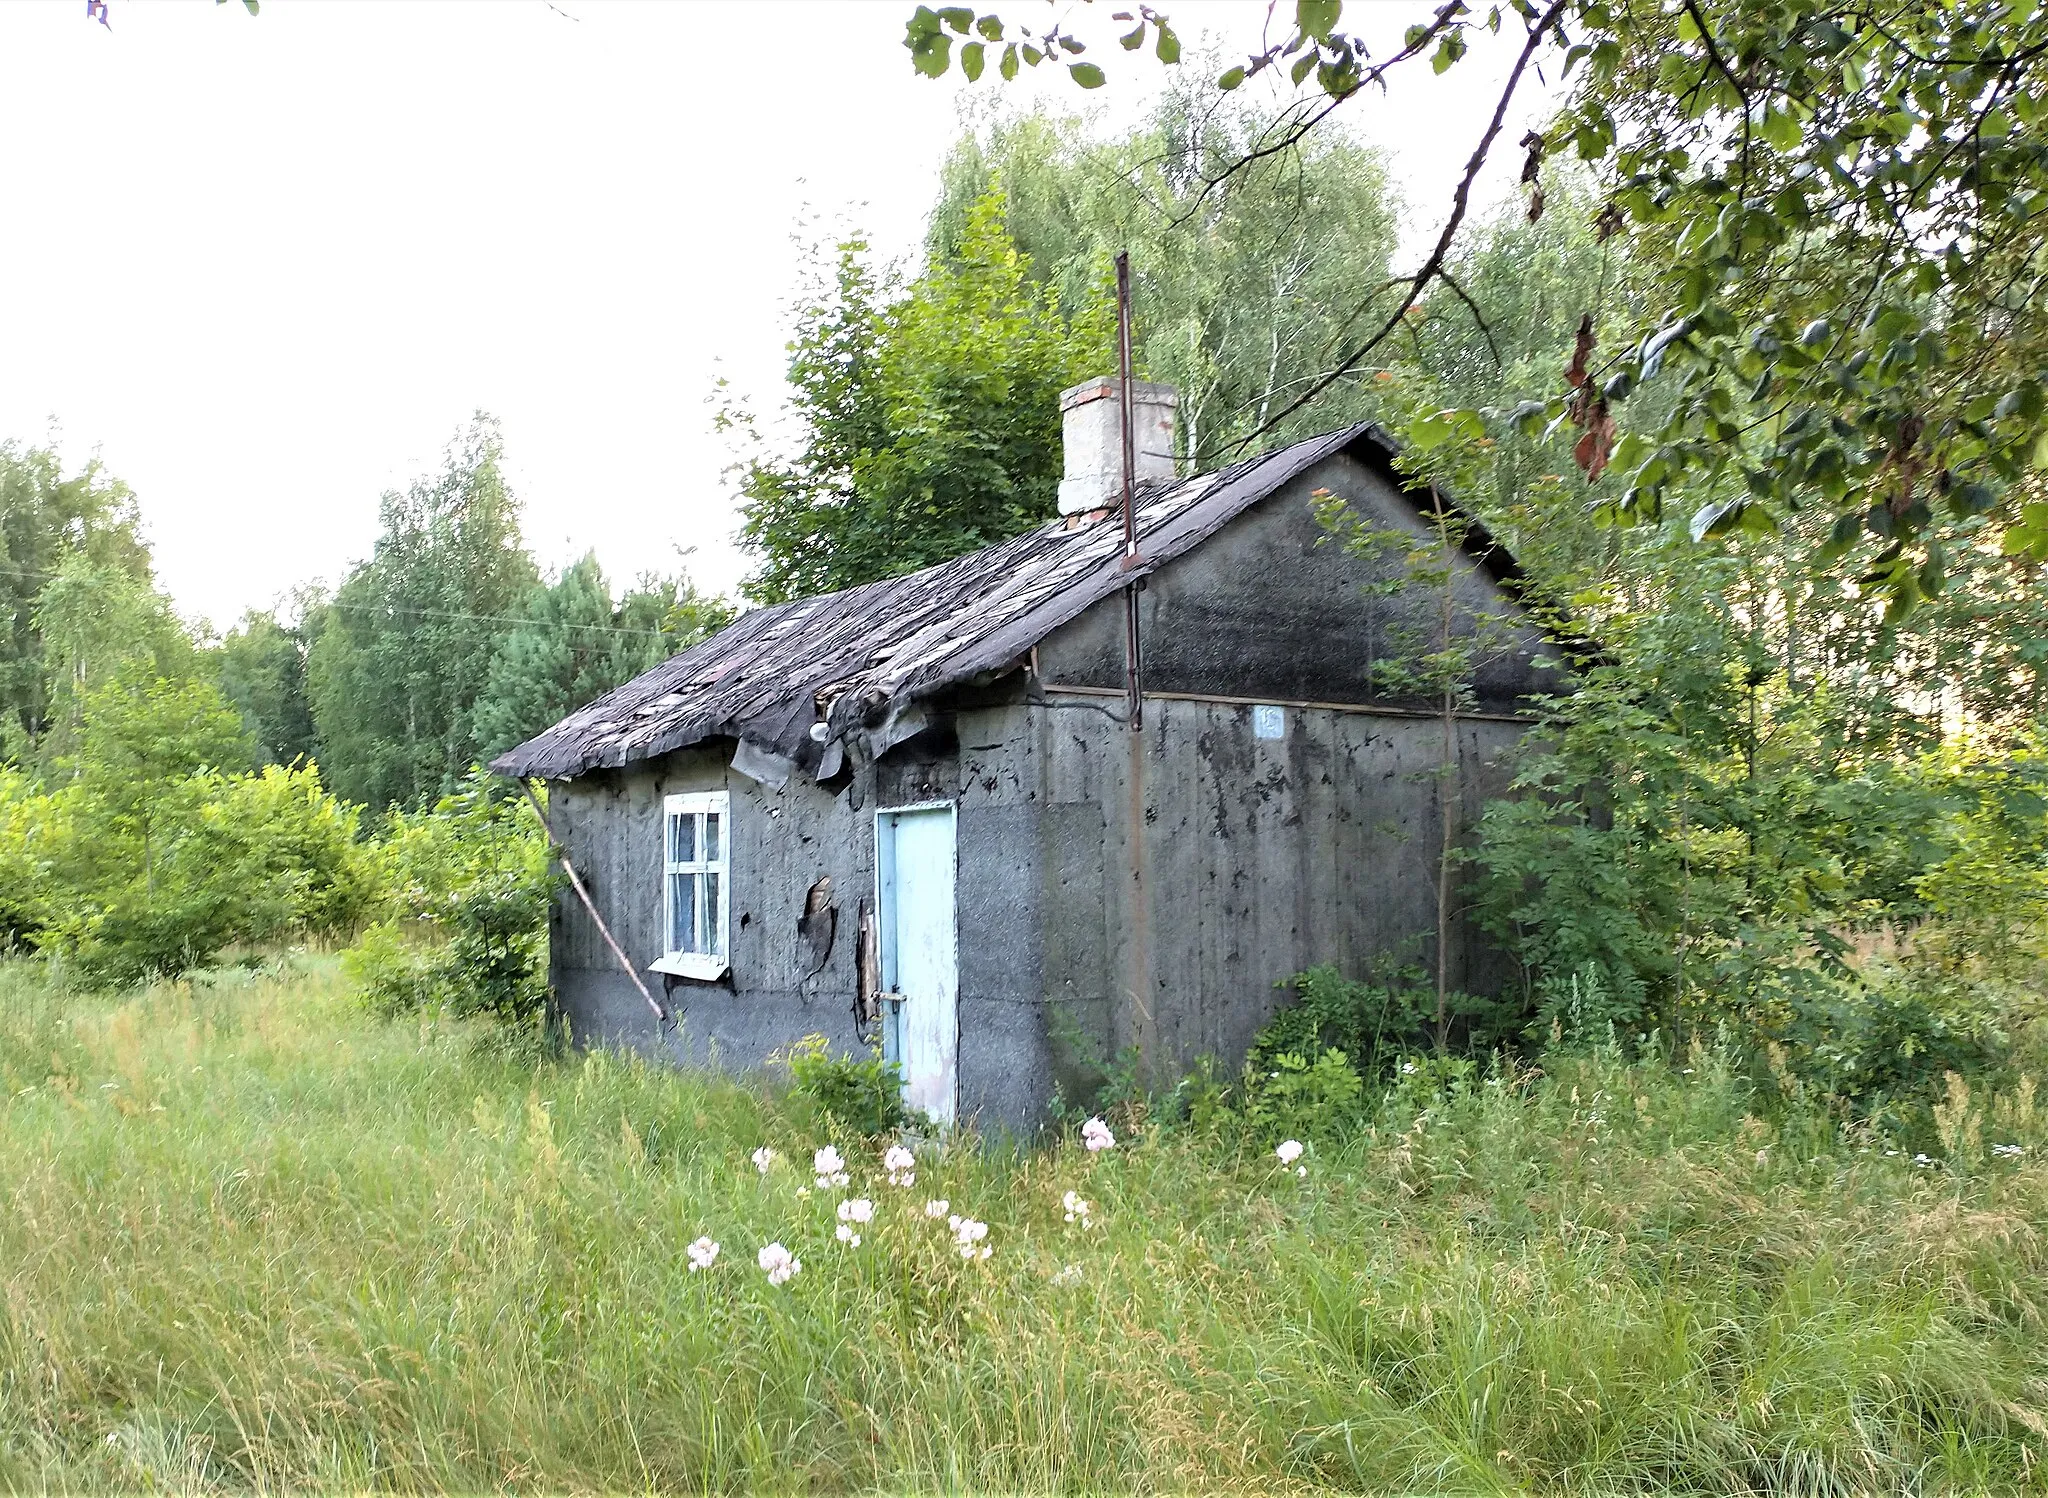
point(610, 629)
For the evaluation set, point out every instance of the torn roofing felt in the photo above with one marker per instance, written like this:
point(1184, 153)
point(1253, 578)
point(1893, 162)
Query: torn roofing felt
point(863, 657)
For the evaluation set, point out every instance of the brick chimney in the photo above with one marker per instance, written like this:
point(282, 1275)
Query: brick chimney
point(1092, 429)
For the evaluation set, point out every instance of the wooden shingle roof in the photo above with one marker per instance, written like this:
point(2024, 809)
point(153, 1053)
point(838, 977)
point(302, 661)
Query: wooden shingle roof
point(852, 659)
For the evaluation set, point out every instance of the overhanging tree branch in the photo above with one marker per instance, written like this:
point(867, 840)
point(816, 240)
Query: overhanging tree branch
point(1432, 269)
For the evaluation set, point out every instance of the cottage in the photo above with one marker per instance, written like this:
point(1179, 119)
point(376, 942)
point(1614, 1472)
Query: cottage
point(918, 812)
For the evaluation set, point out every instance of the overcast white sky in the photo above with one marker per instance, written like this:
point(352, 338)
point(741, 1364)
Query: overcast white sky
point(265, 267)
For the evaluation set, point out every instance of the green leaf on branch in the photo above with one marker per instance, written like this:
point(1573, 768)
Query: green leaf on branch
point(1318, 18)
point(1168, 48)
point(1087, 74)
point(1780, 130)
point(1232, 78)
point(1728, 516)
point(971, 60)
point(1427, 433)
point(930, 48)
point(2029, 536)
point(959, 17)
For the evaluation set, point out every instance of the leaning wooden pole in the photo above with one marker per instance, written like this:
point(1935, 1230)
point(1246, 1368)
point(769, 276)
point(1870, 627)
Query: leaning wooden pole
point(576, 883)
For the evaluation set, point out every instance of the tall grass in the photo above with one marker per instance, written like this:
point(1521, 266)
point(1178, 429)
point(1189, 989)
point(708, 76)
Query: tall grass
point(252, 1237)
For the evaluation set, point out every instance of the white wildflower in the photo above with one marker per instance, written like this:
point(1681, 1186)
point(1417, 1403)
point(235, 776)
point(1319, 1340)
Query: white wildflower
point(1069, 1276)
point(802, 1192)
point(1923, 1161)
point(1289, 1151)
point(2008, 1151)
point(1077, 1209)
point(1095, 1134)
point(703, 1254)
point(1763, 1157)
point(966, 1234)
point(780, 1265)
point(763, 1158)
point(857, 1209)
point(1302, 1171)
point(829, 1168)
point(901, 1166)
point(937, 1208)
point(845, 1234)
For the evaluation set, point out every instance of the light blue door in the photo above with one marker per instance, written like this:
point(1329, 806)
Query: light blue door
point(914, 869)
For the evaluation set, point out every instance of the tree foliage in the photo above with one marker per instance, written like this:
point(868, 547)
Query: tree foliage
point(88, 525)
point(405, 649)
point(1838, 214)
point(262, 668)
point(927, 420)
point(1238, 298)
point(574, 643)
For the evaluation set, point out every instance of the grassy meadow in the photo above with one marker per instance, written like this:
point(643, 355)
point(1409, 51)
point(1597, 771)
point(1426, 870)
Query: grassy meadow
point(253, 1237)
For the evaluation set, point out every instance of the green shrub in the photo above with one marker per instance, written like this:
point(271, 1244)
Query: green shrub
point(1332, 1011)
point(1389, 1014)
point(465, 891)
point(491, 964)
point(152, 858)
point(1296, 1098)
point(31, 825)
point(1895, 1040)
point(428, 862)
point(860, 1093)
point(392, 973)
point(497, 958)
point(1589, 1003)
point(221, 860)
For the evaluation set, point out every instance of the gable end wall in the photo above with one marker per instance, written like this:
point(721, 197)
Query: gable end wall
point(1273, 608)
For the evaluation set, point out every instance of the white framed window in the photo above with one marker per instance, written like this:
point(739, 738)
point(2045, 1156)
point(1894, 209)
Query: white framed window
point(696, 890)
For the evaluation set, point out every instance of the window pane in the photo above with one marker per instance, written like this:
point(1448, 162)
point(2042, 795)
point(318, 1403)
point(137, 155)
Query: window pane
point(711, 837)
point(682, 912)
point(714, 939)
point(682, 837)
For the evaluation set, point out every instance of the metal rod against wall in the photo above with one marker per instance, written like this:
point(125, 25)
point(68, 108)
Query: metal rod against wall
point(576, 883)
point(1133, 658)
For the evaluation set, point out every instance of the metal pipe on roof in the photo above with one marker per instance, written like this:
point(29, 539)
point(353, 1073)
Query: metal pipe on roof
point(1138, 928)
point(1133, 654)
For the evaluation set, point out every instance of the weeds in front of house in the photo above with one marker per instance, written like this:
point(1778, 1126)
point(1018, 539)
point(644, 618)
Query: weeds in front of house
point(256, 1236)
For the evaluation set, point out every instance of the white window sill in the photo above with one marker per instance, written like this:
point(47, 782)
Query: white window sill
point(691, 965)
